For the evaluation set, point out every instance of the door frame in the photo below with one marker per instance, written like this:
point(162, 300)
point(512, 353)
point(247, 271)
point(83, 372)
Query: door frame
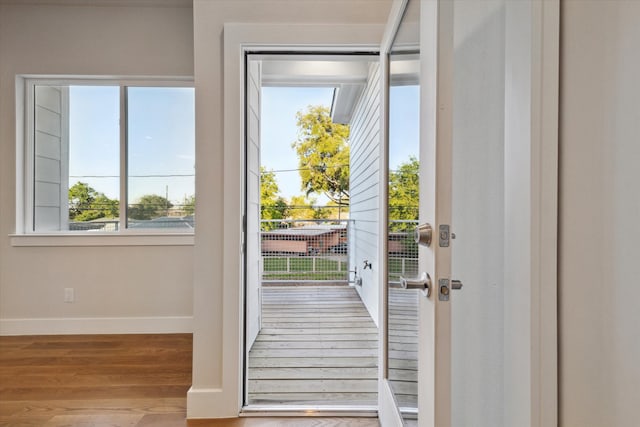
point(532, 36)
point(216, 390)
point(226, 399)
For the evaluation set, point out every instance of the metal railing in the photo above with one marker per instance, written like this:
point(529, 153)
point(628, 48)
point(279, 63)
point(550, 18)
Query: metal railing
point(402, 250)
point(305, 250)
point(318, 250)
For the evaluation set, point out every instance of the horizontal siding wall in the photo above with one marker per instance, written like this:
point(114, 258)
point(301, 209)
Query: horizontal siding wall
point(364, 185)
point(51, 162)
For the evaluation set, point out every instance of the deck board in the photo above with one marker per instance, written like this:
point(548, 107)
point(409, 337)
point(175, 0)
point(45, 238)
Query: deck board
point(403, 346)
point(318, 345)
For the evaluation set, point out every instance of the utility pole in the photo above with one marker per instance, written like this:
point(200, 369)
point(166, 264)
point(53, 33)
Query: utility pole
point(166, 200)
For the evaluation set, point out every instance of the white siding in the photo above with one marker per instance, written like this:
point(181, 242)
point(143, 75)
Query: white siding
point(51, 157)
point(363, 186)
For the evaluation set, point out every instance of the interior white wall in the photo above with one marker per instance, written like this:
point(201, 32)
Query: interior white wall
point(364, 202)
point(214, 392)
point(477, 311)
point(120, 284)
point(599, 211)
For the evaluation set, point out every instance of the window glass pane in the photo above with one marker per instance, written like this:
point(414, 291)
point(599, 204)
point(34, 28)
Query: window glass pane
point(161, 158)
point(76, 158)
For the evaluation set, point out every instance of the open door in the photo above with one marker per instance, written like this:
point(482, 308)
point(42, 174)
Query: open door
point(416, 389)
point(253, 244)
point(485, 355)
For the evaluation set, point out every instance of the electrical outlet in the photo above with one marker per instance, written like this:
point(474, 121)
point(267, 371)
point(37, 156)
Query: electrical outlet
point(69, 295)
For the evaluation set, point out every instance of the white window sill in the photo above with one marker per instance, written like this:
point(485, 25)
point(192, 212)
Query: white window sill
point(103, 239)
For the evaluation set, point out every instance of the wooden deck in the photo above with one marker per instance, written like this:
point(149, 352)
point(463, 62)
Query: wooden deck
point(318, 345)
point(403, 346)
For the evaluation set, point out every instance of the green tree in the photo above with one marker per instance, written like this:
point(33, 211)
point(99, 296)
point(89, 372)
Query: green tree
point(87, 204)
point(272, 205)
point(334, 210)
point(301, 207)
point(149, 206)
point(323, 154)
point(404, 191)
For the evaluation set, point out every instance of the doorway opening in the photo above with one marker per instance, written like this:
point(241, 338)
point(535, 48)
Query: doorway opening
point(311, 293)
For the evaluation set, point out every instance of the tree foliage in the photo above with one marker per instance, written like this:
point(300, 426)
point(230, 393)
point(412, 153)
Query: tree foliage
point(87, 204)
point(149, 206)
point(272, 205)
point(301, 207)
point(404, 191)
point(323, 154)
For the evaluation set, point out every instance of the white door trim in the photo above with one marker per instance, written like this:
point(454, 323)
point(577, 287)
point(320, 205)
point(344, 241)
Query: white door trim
point(225, 399)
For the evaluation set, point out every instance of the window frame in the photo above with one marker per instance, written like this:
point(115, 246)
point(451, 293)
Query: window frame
point(24, 234)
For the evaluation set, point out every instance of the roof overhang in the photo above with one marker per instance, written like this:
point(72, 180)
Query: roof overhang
point(346, 74)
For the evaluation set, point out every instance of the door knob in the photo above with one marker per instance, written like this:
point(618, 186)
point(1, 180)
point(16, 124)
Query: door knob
point(422, 283)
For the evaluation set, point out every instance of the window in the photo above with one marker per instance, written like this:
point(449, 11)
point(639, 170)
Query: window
point(109, 157)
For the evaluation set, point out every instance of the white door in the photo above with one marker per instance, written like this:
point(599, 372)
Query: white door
point(416, 368)
point(253, 248)
point(483, 355)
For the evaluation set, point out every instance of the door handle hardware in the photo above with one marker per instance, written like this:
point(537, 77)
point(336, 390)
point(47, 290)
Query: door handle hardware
point(423, 234)
point(444, 290)
point(423, 283)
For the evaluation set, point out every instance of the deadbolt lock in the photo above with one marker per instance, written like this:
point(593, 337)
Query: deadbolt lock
point(423, 234)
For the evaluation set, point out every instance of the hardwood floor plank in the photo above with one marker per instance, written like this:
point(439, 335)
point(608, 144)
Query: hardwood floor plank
point(93, 380)
point(287, 422)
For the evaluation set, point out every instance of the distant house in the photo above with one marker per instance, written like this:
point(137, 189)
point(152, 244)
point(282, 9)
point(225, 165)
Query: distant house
point(302, 240)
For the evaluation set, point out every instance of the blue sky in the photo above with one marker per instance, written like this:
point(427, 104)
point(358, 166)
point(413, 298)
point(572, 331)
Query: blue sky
point(161, 135)
point(404, 124)
point(159, 144)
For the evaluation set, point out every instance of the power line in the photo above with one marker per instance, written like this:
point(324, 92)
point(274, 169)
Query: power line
point(177, 175)
point(302, 169)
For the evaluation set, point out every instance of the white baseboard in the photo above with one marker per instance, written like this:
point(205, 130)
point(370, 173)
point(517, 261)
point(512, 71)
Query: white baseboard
point(208, 403)
point(97, 325)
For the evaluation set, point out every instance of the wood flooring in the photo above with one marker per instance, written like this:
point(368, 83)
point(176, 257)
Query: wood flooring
point(95, 380)
point(111, 381)
point(317, 345)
